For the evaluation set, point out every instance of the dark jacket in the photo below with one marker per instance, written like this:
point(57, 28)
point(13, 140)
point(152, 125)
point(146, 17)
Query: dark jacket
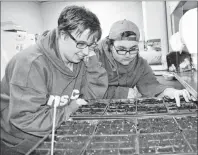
point(35, 76)
point(138, 73)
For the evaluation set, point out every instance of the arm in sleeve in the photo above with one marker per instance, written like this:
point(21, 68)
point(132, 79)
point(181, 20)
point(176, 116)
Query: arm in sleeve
point(116, 92)
point(95, 79)
point(148, 85)
point(28, 102)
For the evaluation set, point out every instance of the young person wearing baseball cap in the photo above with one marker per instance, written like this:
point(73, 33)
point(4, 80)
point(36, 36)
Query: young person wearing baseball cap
point(119, 54)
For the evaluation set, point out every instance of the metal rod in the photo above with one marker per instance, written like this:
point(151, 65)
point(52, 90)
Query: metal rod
point(53, 130)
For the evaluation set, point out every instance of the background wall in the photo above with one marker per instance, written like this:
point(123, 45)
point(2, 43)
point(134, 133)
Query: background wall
point(25, 14)
point(155, 24)
point(35, 17)
point(107, 11)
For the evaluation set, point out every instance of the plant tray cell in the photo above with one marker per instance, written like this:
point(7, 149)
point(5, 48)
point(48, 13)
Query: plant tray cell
point(169, 143)
point(76, 128)
point(116, 127)
point(153, 125)
point(145, 126)
point(188, 122)
point(191, 136)
point(151, 109)
point(124, 144)
point(92, 109)
point(185, 107)
point(150, 101)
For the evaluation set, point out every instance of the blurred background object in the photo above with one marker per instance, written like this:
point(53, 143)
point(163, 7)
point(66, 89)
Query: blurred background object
point(181, 59)
point(188, 33)
point(176, 42)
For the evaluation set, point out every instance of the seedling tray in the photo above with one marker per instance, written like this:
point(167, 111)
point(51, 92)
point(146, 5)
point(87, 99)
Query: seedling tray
point(139, 135)
point(134, 108)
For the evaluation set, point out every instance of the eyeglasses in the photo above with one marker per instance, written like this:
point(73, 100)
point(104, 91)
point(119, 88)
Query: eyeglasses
point(81, 44)
point(132, 51)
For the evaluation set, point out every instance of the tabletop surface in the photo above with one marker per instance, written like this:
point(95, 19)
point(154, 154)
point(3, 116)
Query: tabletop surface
point(190, 78)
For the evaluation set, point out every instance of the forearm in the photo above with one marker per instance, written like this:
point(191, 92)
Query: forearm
point(117, 92)
point(95, 80)
point(151, 90)
point(39, 123)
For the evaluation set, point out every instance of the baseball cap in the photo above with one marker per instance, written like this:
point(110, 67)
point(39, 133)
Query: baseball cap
point(122, 26)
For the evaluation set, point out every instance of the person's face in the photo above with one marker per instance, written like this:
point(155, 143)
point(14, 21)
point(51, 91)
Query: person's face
point(119, 48)
point(67, 46)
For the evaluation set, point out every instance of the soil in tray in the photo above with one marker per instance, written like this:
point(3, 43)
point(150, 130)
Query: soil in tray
point(40, 152)
point(67, 139)
point(185, 107)
point(110, 144)
point(187, 122)
point(95, 109)
point(153, 125)
point(95, 105)
point(56, 152)
point(163, 143)
point(63, 144)
point(76, 128)
point(121, 109)
point(72, 145)
point(149, 101)
point(113, 127)
point(121, 104)
point(129, 151)
point(151, 109)
point(88, 112)
point(191, 136)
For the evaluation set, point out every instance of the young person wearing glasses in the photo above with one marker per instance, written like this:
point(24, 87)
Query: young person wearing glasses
point(56, 71)
point(126, 70)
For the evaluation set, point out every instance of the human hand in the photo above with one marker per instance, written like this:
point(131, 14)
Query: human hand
point(81, 102)
point(75, 104)
point(133, 93)
point(175, 94)
point(91, 53)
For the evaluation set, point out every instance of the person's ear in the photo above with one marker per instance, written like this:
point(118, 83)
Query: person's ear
point(62, 35)
point(111, 47)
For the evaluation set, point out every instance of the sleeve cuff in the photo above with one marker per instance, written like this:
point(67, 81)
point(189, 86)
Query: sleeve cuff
point(93, 61)
point(71, 108)
point(121, 92)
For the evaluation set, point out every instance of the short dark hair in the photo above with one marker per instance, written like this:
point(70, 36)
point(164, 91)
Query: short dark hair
point(79, 18)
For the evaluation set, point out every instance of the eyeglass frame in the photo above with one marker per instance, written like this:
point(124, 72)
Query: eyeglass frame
point(82, 42)
point(126, 51)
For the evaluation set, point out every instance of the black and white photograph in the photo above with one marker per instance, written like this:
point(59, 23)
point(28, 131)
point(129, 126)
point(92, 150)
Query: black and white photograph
point(99, 77)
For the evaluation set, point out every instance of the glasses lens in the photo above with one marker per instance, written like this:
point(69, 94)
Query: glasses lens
point(93, 46)
point(134, 51)
point(121, 52)
point(81, 45)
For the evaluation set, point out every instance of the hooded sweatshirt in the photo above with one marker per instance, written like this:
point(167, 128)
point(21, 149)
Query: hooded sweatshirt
point(37, 78)
point(138, 73)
